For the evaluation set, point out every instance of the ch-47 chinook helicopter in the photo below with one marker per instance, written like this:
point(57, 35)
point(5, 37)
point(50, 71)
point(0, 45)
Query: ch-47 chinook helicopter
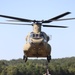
point(37, 41)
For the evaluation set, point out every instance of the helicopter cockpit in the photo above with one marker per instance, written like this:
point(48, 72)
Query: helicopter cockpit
point(36, 36)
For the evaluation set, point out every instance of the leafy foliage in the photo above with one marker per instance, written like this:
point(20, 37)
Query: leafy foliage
point(64, 66)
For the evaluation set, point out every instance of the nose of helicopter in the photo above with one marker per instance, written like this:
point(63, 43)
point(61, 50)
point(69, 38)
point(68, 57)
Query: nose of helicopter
point(37, 41)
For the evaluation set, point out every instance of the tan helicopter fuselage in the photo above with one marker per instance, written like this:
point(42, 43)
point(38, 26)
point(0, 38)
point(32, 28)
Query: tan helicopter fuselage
point(37, 43)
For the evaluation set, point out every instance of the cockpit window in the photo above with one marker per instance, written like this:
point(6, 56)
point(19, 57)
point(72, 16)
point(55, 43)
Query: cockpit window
point(37, 35)
point(32, 35)
point(41, 35)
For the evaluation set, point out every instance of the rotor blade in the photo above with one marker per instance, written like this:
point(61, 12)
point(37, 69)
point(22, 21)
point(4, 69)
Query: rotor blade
point(14, 23)
point(55, 18)
point(55, 26)
point(41, 21)
point(16, 18)
point(64, 19)
point(13, 20)
point(20, 21)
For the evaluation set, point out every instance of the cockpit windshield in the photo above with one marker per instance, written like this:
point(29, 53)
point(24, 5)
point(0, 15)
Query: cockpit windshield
point(36, 36)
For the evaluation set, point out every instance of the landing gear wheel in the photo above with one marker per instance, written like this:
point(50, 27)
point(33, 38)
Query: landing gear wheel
point(25, 58)
point(48, 58)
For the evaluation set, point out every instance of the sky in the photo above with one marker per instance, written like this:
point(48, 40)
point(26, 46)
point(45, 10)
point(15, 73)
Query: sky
point(12, 37)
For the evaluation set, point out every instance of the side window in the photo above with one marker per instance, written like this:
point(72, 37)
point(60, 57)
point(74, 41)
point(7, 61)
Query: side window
point(31, 35)
point(42, 35)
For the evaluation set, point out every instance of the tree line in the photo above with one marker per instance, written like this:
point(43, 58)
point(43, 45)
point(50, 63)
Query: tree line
point(63, 66)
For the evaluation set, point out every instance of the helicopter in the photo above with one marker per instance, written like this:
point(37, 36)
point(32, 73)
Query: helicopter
point(37, 41)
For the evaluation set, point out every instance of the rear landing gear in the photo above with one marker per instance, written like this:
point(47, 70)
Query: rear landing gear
point(48, 58)
point(25, 58)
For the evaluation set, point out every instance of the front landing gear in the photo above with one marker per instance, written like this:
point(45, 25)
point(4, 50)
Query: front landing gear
point(48, 58)
point(48, 72)
point(25, 58)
